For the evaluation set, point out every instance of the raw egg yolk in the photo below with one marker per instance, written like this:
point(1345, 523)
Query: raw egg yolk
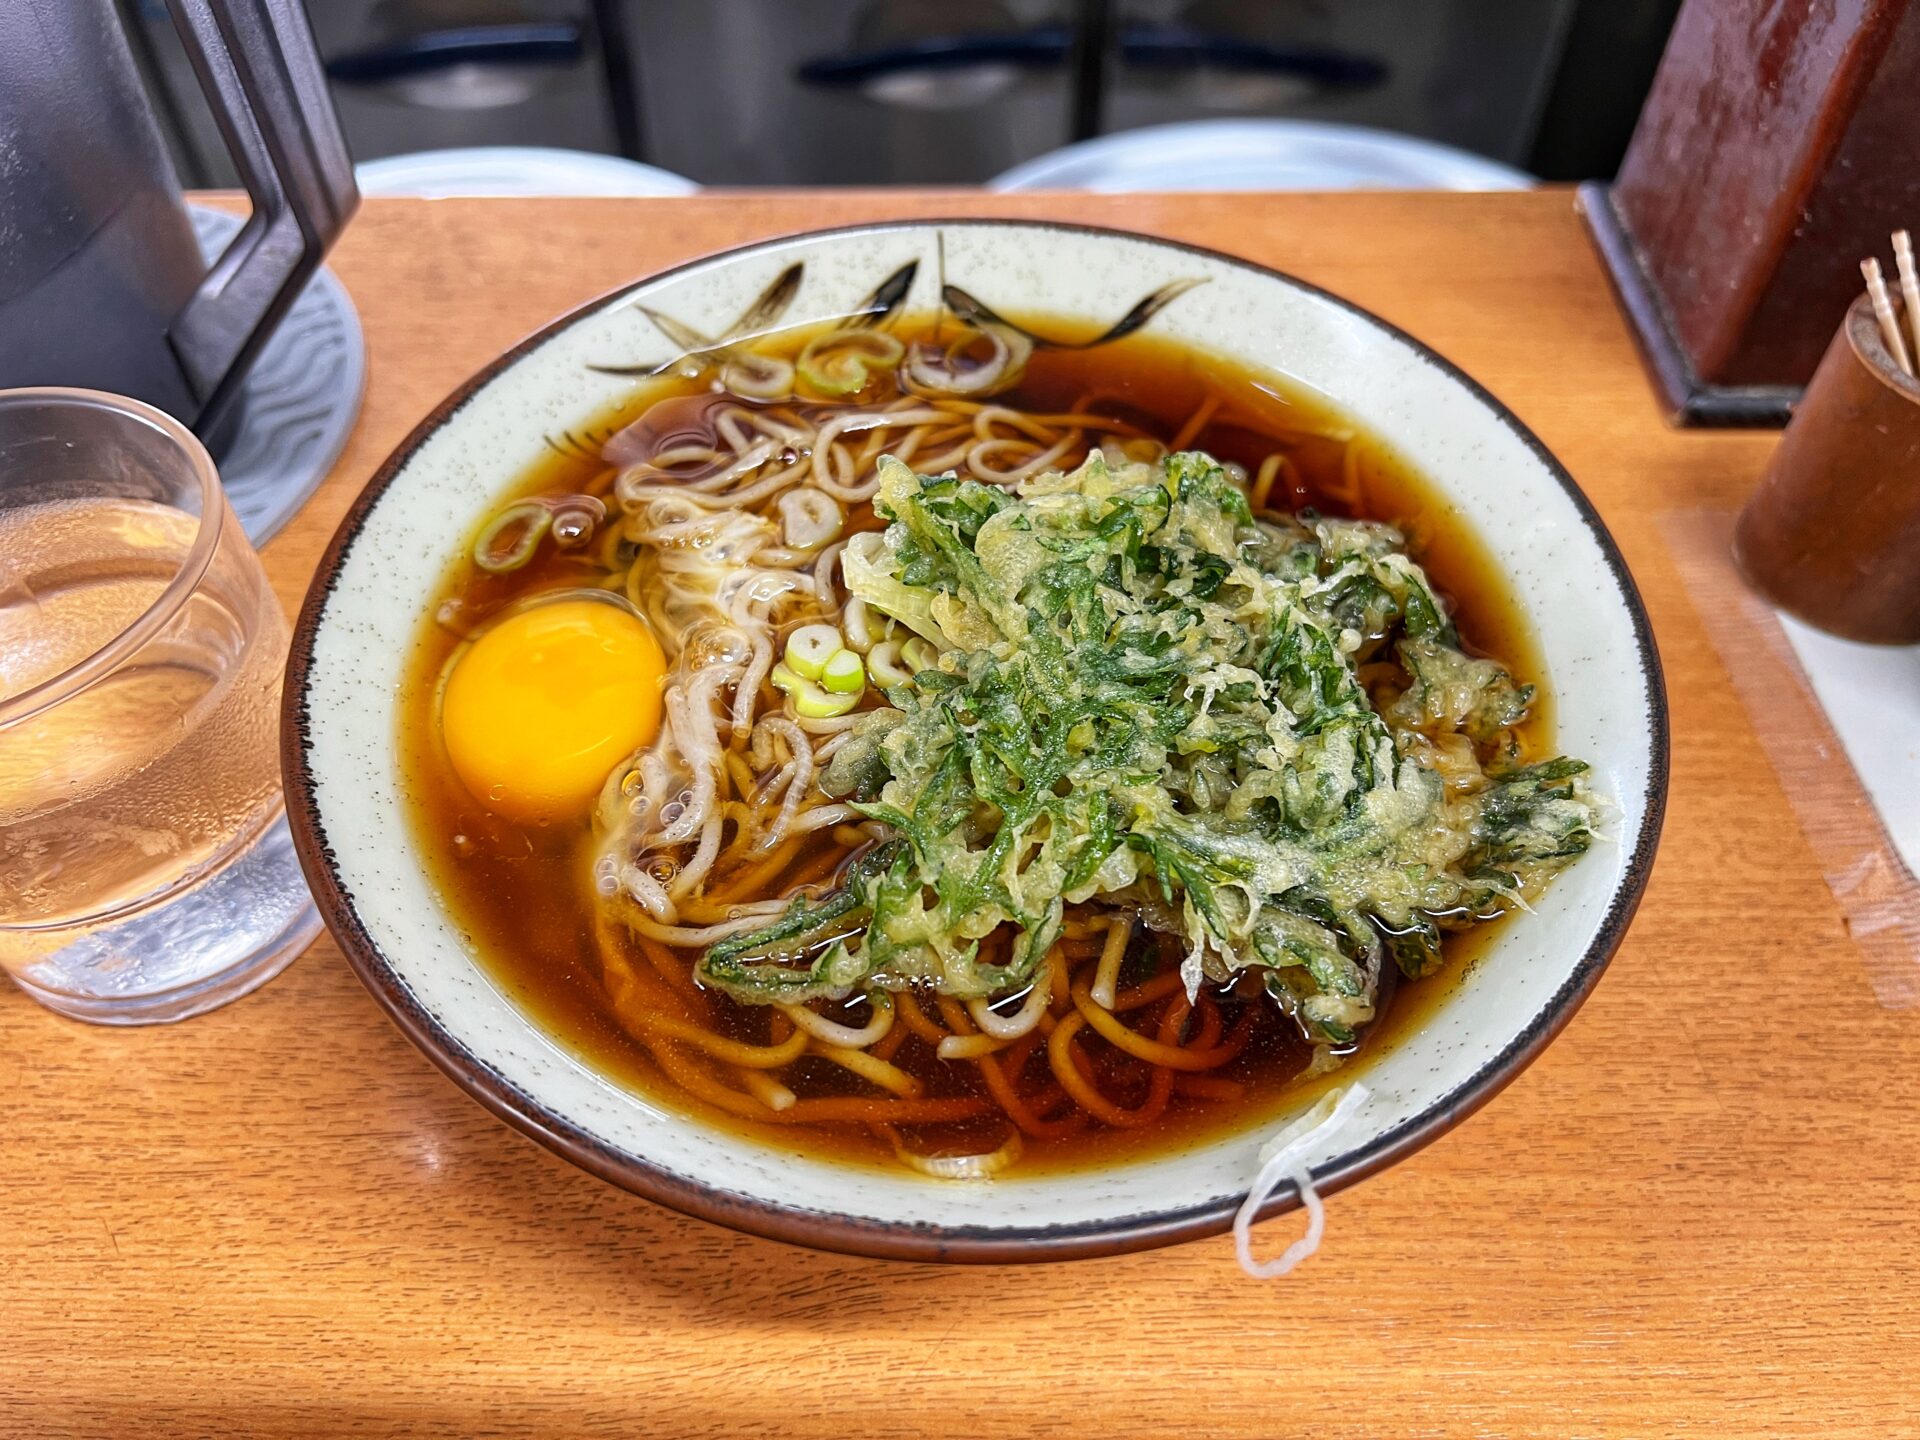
point(547, 702)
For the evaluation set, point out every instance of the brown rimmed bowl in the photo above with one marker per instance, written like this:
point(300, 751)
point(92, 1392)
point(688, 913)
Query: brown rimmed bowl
point(378, 576)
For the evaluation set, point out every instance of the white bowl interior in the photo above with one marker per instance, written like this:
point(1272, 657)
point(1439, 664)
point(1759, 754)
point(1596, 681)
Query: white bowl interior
point(1500, 480)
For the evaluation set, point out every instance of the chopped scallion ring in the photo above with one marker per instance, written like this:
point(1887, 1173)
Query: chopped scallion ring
point(810, 699)
point(844, 674)
point(883, 664)
point(840, 363)
point(810, 648)
point(919, 655)
point(817, 704)
point(533, 520)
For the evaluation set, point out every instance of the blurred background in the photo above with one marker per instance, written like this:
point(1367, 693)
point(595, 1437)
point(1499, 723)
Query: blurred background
point(930, 92)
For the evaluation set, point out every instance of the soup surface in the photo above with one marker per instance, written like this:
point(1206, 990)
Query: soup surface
point(895, 1072)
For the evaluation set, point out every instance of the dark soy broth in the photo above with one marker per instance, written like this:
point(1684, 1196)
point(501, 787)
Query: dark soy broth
point(521, 893)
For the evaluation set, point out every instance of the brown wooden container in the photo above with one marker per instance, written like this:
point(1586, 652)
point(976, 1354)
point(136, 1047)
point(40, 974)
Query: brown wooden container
point(1832, 534)
point(1776, 147)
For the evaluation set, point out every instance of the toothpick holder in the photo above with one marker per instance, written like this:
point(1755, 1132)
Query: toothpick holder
point(1832, 533)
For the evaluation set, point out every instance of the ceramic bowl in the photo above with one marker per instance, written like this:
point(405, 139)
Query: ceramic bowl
point(375, 582)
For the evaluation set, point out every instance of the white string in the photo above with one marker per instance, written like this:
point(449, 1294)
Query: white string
point(1283, 1158)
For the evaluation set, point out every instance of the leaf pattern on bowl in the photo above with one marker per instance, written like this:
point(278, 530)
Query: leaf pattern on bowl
point(771, 305)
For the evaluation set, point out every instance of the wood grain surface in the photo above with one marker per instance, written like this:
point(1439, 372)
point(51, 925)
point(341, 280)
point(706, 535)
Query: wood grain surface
point(1696, 1213)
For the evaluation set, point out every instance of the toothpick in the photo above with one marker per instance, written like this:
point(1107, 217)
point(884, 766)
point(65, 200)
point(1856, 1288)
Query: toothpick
point(1909, 283)
point(1883, 308)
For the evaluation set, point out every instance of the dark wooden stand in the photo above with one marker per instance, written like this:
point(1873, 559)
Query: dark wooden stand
point(1780, 144)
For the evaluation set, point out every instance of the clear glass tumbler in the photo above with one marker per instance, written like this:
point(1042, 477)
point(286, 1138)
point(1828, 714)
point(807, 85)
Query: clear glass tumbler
point(146, 873)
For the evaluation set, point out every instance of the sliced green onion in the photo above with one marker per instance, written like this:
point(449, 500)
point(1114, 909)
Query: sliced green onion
point(963, 1167)
point(532, 517)
point(883, 664)
point(919, 654)
point(810, 648)
point(817, 704)
point(934, 370)
point(844, 674)
point(840, 362)
point(809, 699)
point(757, 377)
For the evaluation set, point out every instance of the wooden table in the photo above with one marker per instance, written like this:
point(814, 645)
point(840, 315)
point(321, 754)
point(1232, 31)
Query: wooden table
point(1697, 1212)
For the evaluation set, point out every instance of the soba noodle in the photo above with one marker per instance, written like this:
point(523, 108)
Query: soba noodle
point(716, 572)
point(724, 516)
point(719, 571)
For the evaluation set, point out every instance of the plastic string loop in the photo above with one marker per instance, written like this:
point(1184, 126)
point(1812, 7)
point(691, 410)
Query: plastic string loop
point(1284, 1158)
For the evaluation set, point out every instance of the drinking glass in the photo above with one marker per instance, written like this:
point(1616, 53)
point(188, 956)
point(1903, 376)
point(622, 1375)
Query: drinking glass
point(146, 873)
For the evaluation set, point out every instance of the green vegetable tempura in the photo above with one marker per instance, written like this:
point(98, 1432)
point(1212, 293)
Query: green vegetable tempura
point(1146, 696)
